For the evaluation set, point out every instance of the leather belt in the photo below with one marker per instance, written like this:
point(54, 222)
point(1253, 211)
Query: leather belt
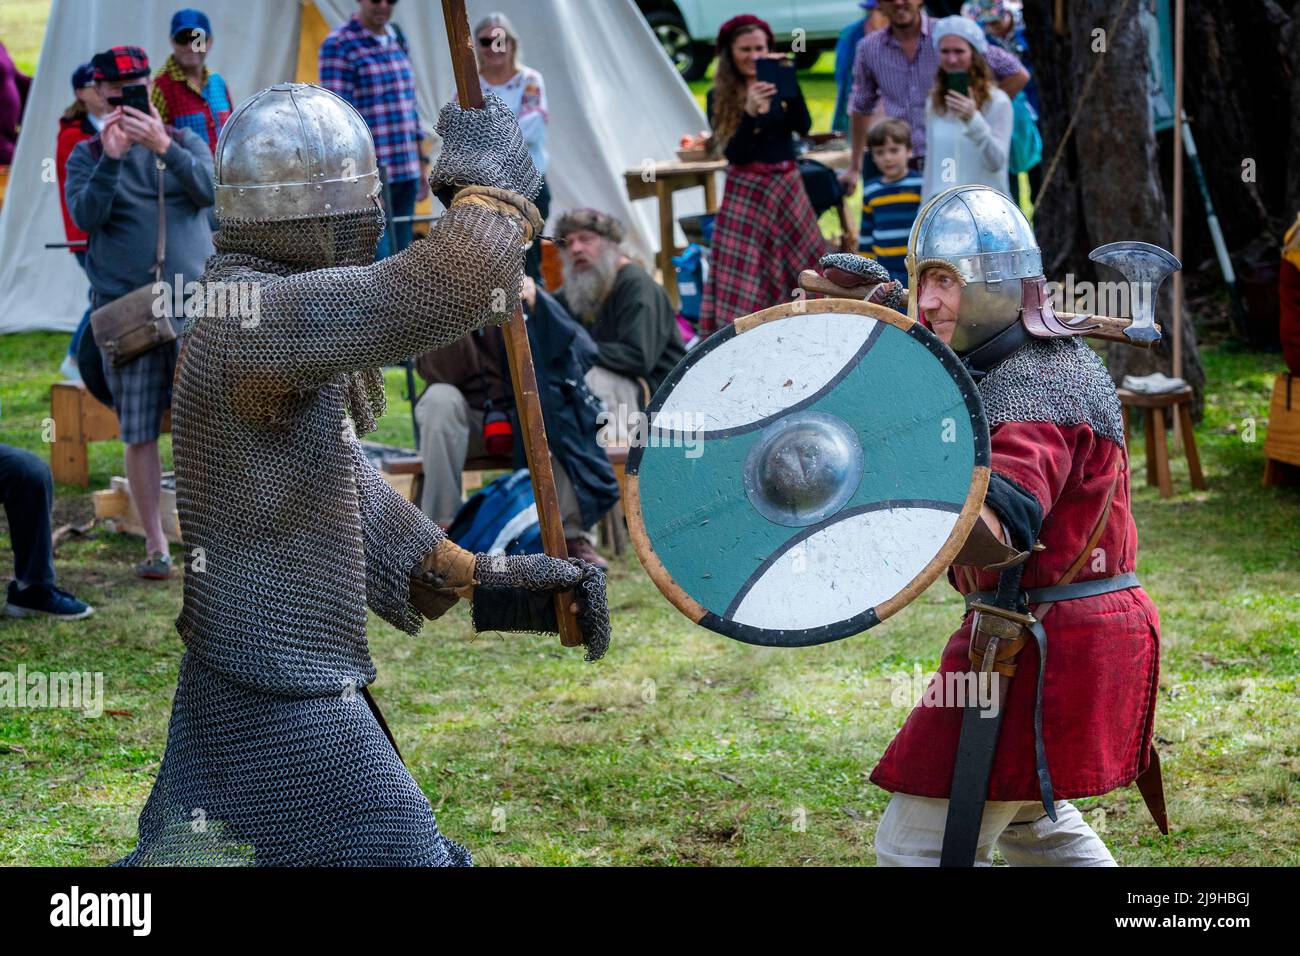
point(1066, 592)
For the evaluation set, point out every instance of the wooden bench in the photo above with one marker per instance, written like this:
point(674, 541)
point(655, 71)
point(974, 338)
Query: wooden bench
point(613, 531)
point(1153, 408)
point(1282, 443)
point(79, 419)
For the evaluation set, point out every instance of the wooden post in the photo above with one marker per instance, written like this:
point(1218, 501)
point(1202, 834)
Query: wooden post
point(1178, 184)
point(1179, 11)
point(518, 354)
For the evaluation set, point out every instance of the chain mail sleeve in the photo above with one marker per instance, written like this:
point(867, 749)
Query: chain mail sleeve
point(397, 536)
point(312, 326)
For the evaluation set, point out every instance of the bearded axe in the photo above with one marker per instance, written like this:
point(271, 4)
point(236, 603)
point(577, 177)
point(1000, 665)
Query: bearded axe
point(519, 355)
point(1143, 265)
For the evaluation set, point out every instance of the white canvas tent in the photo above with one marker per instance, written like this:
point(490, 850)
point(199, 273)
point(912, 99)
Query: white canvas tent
point(614, 100)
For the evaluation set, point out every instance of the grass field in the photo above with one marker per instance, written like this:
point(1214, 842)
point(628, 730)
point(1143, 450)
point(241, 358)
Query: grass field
point(682, 747)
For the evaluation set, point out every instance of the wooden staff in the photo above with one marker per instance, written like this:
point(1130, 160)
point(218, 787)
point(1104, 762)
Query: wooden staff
point(464, 65)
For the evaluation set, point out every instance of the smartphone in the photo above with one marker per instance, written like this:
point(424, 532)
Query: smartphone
point(781, 74)
point(135, 96)
point(959, 83)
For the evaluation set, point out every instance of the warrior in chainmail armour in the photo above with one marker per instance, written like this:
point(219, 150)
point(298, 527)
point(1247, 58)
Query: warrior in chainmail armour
point(274, 755)
point(1056, 533)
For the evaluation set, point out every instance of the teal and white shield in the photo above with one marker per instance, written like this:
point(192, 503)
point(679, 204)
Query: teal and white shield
point(806, 472)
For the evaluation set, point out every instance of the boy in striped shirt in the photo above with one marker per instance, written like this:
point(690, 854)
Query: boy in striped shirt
point(890, 201)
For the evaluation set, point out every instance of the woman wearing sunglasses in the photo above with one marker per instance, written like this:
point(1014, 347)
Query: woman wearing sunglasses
point(520, 88)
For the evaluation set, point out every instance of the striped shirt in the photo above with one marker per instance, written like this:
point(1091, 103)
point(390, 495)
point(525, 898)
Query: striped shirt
point(888, 210)
point(378, 79)
point(882, 69)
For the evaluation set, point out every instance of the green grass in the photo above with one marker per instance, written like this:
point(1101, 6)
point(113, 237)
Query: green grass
point(22, 28)
point(683, 747)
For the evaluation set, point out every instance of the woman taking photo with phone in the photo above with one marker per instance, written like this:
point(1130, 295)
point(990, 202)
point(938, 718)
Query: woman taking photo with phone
point(968, 119)
point(766, 232)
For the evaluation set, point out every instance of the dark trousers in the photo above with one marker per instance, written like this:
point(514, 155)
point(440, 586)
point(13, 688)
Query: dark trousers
point(399, 199)
point(28, 493)
point(533, 257)
point(85, 318)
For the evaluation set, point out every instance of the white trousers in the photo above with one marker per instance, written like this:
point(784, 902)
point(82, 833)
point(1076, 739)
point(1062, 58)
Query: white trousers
point(911, 834)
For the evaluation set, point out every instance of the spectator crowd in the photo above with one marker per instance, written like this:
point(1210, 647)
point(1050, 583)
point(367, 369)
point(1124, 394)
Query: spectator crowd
point(926, 103)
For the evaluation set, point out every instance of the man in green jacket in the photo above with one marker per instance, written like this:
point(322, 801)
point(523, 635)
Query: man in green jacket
point(630, 316)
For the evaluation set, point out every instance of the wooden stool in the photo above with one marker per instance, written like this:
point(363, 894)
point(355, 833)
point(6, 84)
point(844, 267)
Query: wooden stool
point(613, 530)
point(1153, 407)
point(80, 418)
point(1282, 444)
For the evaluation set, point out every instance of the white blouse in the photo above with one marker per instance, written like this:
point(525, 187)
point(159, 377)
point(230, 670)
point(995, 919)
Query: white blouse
point(959, 153)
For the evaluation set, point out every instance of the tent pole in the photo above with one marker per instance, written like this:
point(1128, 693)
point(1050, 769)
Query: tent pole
point(1179, 11)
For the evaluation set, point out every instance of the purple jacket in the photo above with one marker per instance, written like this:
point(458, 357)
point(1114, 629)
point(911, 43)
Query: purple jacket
point(13, 97)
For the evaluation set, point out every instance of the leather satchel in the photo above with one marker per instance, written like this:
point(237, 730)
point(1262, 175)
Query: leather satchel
point(131, 325)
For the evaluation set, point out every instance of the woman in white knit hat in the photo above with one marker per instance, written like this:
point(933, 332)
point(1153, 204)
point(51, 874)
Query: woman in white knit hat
point(967, 132)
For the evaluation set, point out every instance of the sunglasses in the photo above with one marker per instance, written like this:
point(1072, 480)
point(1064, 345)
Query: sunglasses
point(391, 3)
point(487, 42)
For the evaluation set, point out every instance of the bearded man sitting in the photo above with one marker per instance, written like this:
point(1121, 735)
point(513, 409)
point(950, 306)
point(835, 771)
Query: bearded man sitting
point(629, 314)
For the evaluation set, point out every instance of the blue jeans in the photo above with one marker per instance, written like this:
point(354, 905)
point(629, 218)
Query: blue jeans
point(85, 316)
point(397, 235)
point(27, 492)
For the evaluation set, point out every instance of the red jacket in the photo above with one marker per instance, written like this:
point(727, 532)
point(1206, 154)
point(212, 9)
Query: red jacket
point(71, 132)
point(1103, 652)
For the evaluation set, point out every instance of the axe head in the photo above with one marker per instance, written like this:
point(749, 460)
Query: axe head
point(1145, 266)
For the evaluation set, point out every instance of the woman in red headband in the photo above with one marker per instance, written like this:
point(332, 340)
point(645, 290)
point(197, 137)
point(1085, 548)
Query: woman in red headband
point(766, 232)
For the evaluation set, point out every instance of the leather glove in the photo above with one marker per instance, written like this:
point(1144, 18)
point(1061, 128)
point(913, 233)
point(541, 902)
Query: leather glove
point(516, 593)
point(483, 148)
point(444, 577)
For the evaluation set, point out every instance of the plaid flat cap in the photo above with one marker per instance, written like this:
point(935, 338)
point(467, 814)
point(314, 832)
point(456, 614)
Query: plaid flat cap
point(121, 63)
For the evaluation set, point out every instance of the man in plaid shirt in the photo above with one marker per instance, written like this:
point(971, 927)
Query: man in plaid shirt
point(893, 72)
point(366, 61)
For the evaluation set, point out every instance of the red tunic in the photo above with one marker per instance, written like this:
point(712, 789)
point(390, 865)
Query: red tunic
point(1103, 652)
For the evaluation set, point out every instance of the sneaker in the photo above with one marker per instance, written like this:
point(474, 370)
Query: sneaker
point(68, 369)
point(38, 600)
point(581, 548)
point(157, 568)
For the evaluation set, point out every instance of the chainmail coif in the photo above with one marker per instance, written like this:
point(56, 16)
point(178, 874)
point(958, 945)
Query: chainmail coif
point(272, 755)
point(1057, 380)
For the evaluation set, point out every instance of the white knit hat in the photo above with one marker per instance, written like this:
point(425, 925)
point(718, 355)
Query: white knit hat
point(959, 26)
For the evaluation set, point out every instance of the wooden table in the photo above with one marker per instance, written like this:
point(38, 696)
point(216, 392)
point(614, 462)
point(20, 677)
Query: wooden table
point(660, 180)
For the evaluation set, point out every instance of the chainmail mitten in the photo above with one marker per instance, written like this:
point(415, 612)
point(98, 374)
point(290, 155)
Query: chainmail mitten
point(484, 148)
point(892, 296)
point(868, 270)
point(514, 593)
point(890, 293)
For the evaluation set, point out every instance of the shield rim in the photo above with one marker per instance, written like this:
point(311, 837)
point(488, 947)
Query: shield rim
point(771, 637)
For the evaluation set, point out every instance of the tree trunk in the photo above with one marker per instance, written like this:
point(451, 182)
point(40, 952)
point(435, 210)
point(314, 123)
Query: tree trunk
point(1293, 172)
point(1112, 190)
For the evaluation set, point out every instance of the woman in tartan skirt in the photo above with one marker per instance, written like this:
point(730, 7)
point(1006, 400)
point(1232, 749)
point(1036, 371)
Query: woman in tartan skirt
point(766, 232)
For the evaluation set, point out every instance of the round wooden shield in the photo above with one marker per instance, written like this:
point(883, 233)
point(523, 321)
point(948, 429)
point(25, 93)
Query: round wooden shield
point(806, 472)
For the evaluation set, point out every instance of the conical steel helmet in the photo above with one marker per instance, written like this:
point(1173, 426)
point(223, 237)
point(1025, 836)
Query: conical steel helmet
point(981, 235)
point(295, 151)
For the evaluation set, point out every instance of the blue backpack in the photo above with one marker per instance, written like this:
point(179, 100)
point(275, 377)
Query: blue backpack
point(500, 519)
